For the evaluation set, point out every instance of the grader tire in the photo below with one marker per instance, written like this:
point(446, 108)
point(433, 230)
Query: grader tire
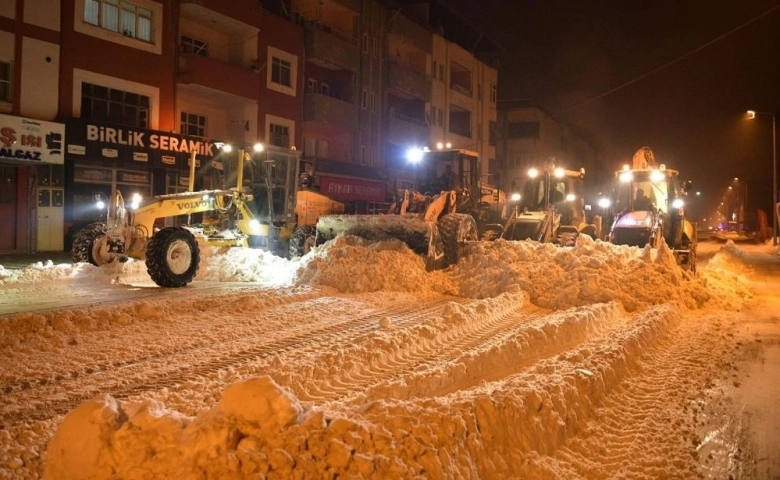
point(454, 229)
point(84, 240)
point(172, 257)
point(302, 240)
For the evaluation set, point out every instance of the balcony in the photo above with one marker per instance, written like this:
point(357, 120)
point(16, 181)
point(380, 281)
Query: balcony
point(411, 82)
point(196, 70)
point(407, 130)
point(324, 109)
point(329, 50)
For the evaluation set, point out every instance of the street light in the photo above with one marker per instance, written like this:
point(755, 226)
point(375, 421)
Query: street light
point(752, 114)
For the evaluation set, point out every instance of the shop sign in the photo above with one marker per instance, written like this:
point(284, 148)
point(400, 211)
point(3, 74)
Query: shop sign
point(25, 140)
point(90, 174)
point(101, 141)
point(352, 189)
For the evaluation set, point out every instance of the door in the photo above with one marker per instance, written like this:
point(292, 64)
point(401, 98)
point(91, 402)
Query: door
point(51, 220)
point(8, 208)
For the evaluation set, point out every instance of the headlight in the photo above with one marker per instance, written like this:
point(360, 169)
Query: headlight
point(678, 203)
point(135, 201)
point(533, 173)
point(571, 197)
point(626, 176)
point(515, 197)
point(559, 172)
point(604, 203)
point(657, 176)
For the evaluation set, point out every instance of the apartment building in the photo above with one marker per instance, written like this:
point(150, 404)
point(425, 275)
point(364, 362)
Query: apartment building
point(102, 95)
point(529, 136)
point(133, 88)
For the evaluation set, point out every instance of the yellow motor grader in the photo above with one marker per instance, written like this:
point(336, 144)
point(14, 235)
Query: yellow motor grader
point(258, 212)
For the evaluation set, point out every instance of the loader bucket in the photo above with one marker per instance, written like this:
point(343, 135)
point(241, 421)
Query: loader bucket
point(420, 236)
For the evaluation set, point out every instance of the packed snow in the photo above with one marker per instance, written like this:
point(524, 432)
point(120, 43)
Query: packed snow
point(524, 360)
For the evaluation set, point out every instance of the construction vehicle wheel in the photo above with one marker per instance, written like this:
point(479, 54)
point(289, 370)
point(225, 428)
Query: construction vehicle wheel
point(454, 229)
point(302, 240)
point(84, 240)
point(172, 257)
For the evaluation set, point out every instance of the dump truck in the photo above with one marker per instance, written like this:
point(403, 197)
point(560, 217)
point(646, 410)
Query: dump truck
point(648, 206)
point(257, 211)
point(549, 207)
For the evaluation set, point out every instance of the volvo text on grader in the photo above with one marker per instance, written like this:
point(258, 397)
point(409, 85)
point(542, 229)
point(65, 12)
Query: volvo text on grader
point(648, 205)
point(259, 211)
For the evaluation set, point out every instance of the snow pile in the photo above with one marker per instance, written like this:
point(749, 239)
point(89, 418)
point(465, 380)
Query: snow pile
point(356, 265)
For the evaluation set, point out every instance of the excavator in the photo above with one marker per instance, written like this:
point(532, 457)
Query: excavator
point(448, 207)
point(550, 208)
point(258, 212)
point(648, 205)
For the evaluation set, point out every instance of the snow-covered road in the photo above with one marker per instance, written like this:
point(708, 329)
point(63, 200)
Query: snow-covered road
point(524, 361)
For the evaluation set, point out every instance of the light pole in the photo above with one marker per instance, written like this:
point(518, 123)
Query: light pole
point(752, 114)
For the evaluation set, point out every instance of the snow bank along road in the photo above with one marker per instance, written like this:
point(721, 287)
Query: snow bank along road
point(525, 361)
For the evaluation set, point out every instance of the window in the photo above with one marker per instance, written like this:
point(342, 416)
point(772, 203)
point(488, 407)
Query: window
point(121, 17)
point(374, 47)
point(365, 43)
point(5, 82)
point(281, 72)
point(325, 89)
point(364, 99)
point(114, 106)
point(282, 76)
point(363, 153)
point(192, 124)
point(311, 85)
point(279, 135)
point(373, 101)
point(193, 45)
point(493, 93)
point(441, 72)
point(440, 117)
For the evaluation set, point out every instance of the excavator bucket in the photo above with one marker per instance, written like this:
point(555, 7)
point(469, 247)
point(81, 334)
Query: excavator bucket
point(420, 236)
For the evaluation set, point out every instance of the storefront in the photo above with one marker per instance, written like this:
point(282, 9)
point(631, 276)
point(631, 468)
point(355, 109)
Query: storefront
point(103, 158)
point(31, 185)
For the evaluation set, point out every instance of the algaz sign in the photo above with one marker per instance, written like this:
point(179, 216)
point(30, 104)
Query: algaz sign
point(30, 141)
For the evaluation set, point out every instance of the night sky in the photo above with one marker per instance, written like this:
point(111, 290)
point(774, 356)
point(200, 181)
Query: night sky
point(674, 75)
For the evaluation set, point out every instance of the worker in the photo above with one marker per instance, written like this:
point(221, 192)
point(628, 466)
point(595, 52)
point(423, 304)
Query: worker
point(447, 178)
point(642, 201)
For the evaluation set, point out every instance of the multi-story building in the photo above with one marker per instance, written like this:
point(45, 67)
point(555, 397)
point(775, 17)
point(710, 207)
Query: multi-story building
point(101, 95)
point(138, 85)
point(528, 136)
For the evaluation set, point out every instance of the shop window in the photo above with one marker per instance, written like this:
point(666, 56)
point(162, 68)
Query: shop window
point(99, 103)
point(120, 16)
point(5, 82)
point(192, 124)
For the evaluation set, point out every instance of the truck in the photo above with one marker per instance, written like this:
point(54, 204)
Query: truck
point(648, 208)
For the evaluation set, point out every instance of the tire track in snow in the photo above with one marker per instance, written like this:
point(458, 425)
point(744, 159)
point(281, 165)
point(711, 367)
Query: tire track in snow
point(642, 414)
point(170, 368)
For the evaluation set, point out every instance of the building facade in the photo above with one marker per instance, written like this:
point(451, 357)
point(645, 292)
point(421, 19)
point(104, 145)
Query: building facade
point(99, 95)
point(528, 136)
